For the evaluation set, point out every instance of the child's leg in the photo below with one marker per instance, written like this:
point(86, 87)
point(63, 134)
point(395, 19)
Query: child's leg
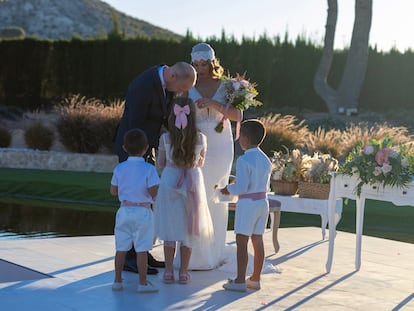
point(169, 253)
point(119, 265)
point(142, 262)
point(185, 258)
point(242, 257)
point(257, 241)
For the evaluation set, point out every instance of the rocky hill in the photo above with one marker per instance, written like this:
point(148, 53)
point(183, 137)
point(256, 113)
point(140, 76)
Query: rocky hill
point(64, 19)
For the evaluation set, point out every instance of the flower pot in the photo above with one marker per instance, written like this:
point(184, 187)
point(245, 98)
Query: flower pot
point(284, 187)
point(313, 190)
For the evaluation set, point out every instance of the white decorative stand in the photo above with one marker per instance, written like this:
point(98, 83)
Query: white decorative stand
point(345, 187)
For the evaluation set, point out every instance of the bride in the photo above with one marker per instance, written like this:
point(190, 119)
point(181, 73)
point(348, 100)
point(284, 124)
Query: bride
point(209, 96)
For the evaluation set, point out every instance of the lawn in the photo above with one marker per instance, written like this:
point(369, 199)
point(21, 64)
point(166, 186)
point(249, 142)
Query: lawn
point(90, 191)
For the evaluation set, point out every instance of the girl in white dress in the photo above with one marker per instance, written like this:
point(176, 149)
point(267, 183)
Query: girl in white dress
point(181, 211)
point(209, 97)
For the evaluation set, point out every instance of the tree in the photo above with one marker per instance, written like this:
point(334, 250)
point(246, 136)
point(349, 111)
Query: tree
point(346, 96)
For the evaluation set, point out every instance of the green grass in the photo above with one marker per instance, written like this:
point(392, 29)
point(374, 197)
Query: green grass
point(57, 189)
point(90, 191)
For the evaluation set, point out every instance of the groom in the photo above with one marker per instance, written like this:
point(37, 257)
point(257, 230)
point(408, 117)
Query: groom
point(147, 106)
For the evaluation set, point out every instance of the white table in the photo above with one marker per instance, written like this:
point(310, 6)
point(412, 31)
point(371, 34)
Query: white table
point(295, 204)
point(345, 187)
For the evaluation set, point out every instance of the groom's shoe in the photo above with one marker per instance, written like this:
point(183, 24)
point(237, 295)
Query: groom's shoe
point(152, 262)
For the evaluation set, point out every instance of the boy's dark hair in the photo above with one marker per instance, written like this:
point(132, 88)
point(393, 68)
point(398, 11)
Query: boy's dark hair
point(135, 141)
point(254, 130)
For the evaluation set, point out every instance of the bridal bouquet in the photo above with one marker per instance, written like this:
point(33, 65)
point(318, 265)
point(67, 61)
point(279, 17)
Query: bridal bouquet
point(380, 162)
point(240, 94)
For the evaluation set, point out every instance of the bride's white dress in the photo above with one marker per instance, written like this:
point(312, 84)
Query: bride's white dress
point(216, 171)
point(207, 254)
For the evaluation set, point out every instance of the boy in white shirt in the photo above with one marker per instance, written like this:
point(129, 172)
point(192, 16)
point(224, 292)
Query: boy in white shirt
point(253, 171)
point(136, 184)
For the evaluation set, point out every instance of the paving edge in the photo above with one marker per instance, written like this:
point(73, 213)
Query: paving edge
point(56, 160)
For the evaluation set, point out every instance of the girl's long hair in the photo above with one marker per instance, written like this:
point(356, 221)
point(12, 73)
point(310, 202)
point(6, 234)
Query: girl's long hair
point(183, 141)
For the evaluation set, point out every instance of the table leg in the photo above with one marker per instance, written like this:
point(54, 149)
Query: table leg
point(324, 222)
point(332, 229)
point(276, 223)
point(360, 206)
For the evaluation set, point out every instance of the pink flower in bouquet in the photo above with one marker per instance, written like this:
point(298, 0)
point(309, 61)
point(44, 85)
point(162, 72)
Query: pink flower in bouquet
point(382, 156)
point(240, 94)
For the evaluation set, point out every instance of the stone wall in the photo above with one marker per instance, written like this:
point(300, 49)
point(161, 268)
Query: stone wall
point(55, 160)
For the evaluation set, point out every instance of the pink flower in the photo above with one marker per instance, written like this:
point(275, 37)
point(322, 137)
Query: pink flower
point(382, 156)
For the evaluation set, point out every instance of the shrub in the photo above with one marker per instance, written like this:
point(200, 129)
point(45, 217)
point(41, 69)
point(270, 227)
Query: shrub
point(87, 125)
point(5, 137)
point(324, 141)
point(38, 136)
point(283, 132)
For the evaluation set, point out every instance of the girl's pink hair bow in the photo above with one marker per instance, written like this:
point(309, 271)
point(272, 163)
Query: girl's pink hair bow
point(181, 116)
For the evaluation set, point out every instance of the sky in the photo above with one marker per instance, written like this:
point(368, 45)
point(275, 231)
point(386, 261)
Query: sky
point(392, 22)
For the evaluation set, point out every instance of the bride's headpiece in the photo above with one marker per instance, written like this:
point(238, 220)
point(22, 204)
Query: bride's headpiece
point(202, 51)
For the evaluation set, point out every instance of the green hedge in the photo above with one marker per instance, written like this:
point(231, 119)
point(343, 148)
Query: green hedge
point(36, 73)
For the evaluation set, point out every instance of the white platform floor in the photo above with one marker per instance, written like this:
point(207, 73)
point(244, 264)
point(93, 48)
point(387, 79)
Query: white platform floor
point(81, 275)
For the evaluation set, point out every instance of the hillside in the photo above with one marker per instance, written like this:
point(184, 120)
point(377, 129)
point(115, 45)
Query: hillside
point(63, 19)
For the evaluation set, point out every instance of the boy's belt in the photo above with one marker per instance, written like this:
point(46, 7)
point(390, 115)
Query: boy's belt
point(260, 196)
point(254, 196)
point(135, 204)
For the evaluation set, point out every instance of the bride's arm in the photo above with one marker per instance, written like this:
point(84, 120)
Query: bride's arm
point(233, 114)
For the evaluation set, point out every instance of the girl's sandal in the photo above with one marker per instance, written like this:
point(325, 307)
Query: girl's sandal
point(168, 277)
point(184, 278)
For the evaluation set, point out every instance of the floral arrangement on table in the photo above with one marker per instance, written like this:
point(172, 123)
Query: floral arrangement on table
point(286, 165)
point(316, 174)
point(380, 162)
point(240, 94)
point(318, 168)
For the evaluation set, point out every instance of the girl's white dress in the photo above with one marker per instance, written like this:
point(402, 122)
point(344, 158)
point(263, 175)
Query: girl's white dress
point(173, 204)
point(216, 171)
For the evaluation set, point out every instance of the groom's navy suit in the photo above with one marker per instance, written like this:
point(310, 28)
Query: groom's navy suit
point(146, 107)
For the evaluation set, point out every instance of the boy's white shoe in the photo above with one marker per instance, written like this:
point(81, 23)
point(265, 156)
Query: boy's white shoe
point(252, 284)
point(147, 288)
point(235, 287)
point(117, 286)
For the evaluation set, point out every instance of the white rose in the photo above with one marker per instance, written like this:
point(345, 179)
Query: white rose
point(386, 168)
point(404, 162)
point(369, 149)
point(377, 171)
point(236, 85)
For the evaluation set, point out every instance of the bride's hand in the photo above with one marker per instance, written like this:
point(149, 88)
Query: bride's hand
point(203, 103)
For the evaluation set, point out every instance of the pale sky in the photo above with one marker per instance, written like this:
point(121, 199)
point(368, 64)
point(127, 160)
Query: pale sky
point(392, 22)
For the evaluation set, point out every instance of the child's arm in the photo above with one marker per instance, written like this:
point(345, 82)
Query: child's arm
point(203, 151)
point(153, 191)
point(161, 156)
point(113, 190)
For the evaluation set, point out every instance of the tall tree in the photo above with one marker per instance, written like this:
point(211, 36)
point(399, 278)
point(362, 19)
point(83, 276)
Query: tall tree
point(347, 95)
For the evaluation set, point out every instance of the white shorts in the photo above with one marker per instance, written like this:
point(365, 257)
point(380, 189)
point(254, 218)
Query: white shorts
point(134, 226)
point(251, 217)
